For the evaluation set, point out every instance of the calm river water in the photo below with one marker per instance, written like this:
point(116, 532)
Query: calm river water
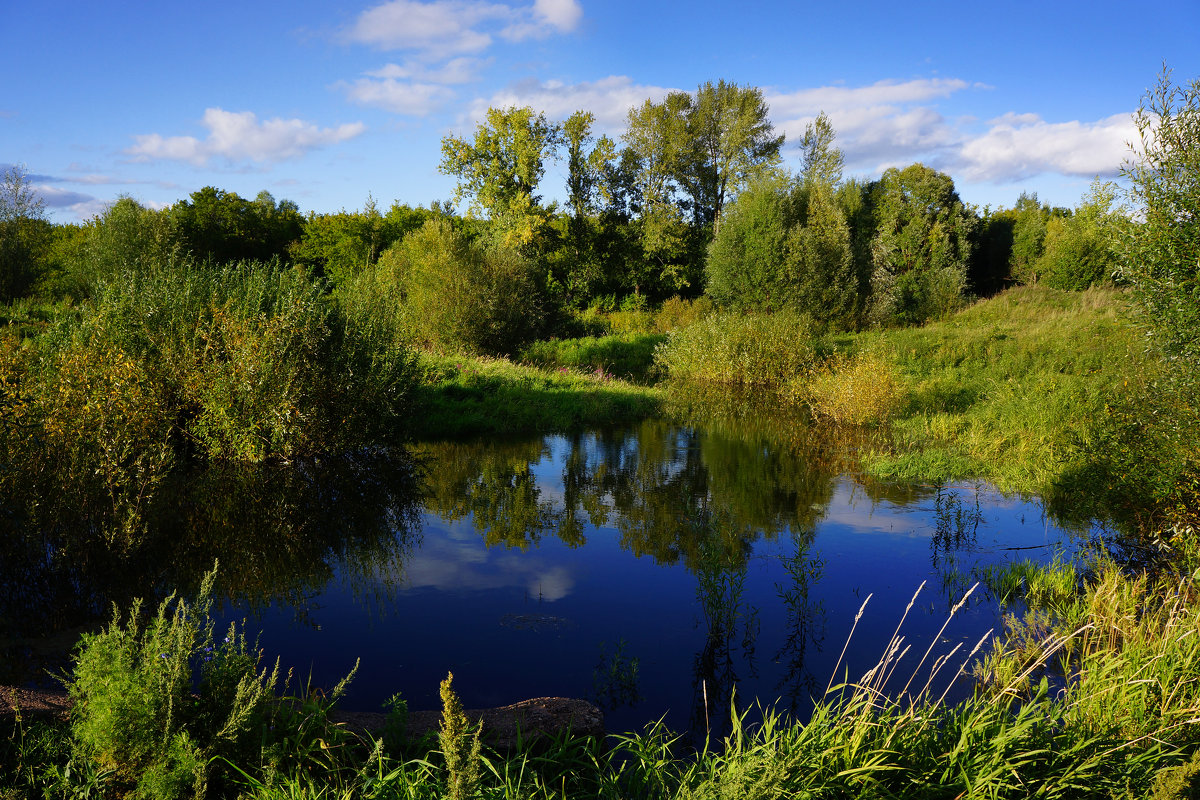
point(655, 570)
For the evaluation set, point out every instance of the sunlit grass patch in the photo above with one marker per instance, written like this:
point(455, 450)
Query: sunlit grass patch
point(462, 396)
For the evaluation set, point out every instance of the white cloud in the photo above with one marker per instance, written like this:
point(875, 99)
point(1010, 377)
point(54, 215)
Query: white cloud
point(240, 136)
point(399, 96)
point(807, 103)
point(445, 28)
point(608, 98)
point(1019, 146)
point(892, 123)
point(880, 125)
point(563, 15)
point(412, 87)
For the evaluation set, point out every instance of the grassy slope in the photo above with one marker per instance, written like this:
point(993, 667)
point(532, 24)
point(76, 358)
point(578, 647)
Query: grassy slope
point(463, 396)
point(1008, 390)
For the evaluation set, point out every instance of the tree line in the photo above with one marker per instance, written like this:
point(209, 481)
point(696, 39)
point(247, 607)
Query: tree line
point(693, 199)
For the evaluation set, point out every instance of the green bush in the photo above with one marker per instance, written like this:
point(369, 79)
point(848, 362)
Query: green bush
point(250, 361)
point(629, 356)
point(460, 295)
point(761, 349)
point(156, 704)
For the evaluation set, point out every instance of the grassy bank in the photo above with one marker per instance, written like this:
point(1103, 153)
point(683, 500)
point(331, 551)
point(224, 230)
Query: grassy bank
point(479, 396)
point(1008, 390)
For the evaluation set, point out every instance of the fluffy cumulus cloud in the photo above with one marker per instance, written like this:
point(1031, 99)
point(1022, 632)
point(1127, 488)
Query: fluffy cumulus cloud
point(608, 98)
point(1018, 146)
point(894, 123)
point(445, 28)
point(240, 136)
point(443, 42)
point(878, 125)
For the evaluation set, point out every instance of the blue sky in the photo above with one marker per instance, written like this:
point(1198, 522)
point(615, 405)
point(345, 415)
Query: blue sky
point(326, 102)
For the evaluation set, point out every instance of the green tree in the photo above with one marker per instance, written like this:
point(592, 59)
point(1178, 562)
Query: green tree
point(729, 142)
point(820, 161)
point(223, 227)
point(500, 168)
point(1029, 222)
point(125, 237)
point(822, 260)
point(748, 265)
point(1162, 252)
point(922, 245)
point(24, 234)
point(1080, 250)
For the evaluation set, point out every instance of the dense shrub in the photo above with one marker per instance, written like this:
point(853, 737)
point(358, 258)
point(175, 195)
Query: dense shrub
point(460, 295)
point(760, 349)
point(861, 389)
point(157, 703)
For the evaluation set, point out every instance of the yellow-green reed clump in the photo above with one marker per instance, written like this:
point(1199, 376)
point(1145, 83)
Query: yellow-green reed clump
point(748, 350)
point(862, 389)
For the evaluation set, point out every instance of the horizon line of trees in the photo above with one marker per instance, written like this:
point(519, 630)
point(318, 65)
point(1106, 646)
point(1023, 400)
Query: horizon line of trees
point(693, 200)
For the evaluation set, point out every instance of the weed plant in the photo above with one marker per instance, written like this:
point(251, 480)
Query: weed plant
point(750, 350)
point(155, 702)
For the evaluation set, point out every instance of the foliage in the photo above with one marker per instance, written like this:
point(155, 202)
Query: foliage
point(339, 246)
point(125, 237)
point(628, 356)
point(24, 234)
point(761, 349)
point(501, 167)
point(1161, 261)
point(921, 247)
point(462, 295)
point(820, 163)
point(729, 142)
point(822, 264)
point(460, 745)
point(134, 708)
point(862, 389)
point(749, 263)
point(1079, 250)
point(1162, 258)
point(217, 225)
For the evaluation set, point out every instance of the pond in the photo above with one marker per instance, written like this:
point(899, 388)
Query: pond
point(657, 570)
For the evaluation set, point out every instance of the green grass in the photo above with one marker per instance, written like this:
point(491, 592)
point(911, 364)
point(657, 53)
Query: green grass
point(1008, 390)
point(629, 356)
point(464, 396)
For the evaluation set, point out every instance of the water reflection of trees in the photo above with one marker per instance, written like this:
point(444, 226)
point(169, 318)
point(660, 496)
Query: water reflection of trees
point(656, 483)
point(280, 533)
point(701, 498)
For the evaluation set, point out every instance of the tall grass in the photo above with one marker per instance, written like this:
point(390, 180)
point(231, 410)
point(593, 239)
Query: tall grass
point(750, 350)
point(629, 356)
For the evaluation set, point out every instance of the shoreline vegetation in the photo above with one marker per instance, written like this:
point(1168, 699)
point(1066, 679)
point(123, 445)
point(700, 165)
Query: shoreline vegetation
point(1047, 351)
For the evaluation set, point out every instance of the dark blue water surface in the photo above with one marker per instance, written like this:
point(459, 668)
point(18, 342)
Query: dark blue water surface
point(653, 570)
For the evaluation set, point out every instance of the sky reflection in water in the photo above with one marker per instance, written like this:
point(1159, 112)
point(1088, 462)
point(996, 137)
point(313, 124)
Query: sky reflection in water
point(544, 567)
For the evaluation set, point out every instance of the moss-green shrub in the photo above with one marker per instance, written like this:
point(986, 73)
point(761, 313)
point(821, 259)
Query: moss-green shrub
point(761, 349)
point(157, 703)
point(461, 295)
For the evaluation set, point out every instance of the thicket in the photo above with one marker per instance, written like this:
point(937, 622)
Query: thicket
point(179, 363)
point(461, 295)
